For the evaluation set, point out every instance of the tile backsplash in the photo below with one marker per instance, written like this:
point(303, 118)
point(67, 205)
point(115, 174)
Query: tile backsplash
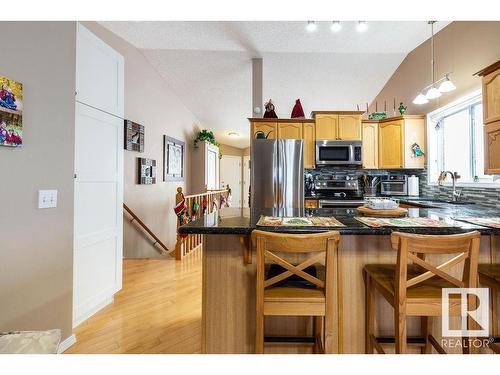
point(484, 196)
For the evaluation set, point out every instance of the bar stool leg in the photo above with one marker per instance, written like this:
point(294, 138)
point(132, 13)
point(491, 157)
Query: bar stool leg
point(369, 314)
point(425, 324)
point(400, 329)
point(259, 333)
point(319, 334)
point(328, 335)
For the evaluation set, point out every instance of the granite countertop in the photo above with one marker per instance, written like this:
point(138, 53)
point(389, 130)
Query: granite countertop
point(243, 221)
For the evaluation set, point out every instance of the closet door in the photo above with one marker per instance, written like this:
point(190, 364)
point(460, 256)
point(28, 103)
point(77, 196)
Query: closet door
point(99, 73)
point(97, 272)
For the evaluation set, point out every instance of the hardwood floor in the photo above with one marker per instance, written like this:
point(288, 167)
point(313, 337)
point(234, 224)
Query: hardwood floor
point(157, 311)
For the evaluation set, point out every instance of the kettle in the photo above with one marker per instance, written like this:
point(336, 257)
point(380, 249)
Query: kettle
point(261, 135)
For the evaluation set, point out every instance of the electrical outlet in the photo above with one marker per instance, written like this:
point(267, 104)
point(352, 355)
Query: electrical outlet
point(47, 198)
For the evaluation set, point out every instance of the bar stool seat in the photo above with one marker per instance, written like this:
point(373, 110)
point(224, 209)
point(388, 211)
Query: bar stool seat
point(383, 277)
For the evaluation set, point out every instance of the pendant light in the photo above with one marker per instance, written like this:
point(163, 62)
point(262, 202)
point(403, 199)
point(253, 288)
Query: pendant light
point(434, 90)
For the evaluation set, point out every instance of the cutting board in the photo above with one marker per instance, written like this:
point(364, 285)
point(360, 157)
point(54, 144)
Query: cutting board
point(396, 212)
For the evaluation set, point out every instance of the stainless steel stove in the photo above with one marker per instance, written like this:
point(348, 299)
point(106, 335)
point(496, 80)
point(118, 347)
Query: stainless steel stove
point(338, 191)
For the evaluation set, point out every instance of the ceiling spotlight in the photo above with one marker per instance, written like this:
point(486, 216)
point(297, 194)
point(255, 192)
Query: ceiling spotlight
point(311, 26)
point(362, 26)
point(420, 99)
point(233, 134)
point(336, 26)
point(447, 85)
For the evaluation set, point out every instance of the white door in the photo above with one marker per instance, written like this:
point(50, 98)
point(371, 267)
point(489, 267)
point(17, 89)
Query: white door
point(98, 246)
point(211, 167)
point(230, 174)
point(99, 73)
point(246, 179)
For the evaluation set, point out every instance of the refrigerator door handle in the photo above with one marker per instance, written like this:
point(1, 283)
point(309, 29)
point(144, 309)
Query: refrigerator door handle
point(281, 174)
point(275, 175)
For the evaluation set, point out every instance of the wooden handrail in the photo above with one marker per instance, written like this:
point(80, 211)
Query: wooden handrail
point(145, 227)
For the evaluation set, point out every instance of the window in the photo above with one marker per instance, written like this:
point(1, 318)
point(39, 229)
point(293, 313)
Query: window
point(455, 135)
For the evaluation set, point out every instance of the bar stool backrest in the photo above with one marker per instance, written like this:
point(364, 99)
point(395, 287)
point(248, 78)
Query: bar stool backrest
point(269, 243)
point(414, 248)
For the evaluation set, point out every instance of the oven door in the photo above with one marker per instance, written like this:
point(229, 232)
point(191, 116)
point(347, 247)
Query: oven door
point(334, 203)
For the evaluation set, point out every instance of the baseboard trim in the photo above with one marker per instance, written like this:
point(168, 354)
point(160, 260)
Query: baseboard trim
point(80, 318)
point(66, 344)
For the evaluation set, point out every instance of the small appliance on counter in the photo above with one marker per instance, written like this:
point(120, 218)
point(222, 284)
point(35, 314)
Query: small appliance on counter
point(394, 184)
point(413, 186)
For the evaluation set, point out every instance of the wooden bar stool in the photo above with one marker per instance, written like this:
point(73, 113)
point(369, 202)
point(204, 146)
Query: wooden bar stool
point(489, 275)
point(415, 289)
point(275, 299)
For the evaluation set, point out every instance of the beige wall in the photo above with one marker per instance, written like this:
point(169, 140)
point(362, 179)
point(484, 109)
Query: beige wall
point(36, 246)
point(462, 48)
point(150, 102)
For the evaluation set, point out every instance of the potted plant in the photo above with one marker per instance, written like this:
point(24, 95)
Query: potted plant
point(207, 136)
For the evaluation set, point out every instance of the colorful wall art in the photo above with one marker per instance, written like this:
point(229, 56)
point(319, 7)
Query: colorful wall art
point(11, 112)
point(134, 136)
point(147, 171)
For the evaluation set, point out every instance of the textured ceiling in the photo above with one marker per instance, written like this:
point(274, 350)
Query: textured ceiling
point(208, 64)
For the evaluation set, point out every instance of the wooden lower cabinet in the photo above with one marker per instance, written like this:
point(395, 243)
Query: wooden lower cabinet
point(492, 148)
point(370, 145)
point(309, 146)
point(390, 141)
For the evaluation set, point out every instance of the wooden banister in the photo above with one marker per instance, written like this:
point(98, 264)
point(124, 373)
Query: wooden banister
point(145, 227)
point(212, 198)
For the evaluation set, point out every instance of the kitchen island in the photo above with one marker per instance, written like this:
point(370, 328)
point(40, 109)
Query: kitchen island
point(228, 307)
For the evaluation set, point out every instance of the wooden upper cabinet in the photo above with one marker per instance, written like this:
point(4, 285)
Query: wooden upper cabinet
point(290, 130)
point(370, 145)
point(309, 146)
point(390, 153)
point(270, 128)
point(326, 126)
point(349, 127)
point(492, 148)
point(491, 97)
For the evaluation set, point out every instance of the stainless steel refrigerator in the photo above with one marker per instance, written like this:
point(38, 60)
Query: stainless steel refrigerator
point(277, 169)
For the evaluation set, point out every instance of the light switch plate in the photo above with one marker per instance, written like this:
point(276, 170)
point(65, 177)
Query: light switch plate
point(47, 198)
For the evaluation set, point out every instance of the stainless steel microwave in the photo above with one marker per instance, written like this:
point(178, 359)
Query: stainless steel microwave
point(338, 152)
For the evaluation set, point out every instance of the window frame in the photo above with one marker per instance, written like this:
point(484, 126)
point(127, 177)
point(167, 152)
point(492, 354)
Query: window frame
point(434, 117)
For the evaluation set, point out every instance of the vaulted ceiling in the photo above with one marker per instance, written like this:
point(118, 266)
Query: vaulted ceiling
point(208, 64)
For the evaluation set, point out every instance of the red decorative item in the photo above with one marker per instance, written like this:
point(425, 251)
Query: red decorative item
point(297, 111)
point(270, 113)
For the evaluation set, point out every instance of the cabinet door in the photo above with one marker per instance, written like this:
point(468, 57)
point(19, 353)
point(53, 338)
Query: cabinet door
point(267, 127)
point(370, 145)
point(309, 146)
point(349, 127)
point(492, 148)
point(99, 73)
point(390, 144)
point(326, 126)
point(491, 97)
point(291, 130)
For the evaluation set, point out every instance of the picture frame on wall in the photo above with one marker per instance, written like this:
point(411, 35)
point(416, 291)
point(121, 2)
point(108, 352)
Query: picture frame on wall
point(173, 159)
point(11, 112)
point(134, 136)
point(147, 171)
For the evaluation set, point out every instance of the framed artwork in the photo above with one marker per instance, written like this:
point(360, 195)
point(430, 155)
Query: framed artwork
point(147, 171)
point(173, 159)
point(134, 136)
point(11, 112)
